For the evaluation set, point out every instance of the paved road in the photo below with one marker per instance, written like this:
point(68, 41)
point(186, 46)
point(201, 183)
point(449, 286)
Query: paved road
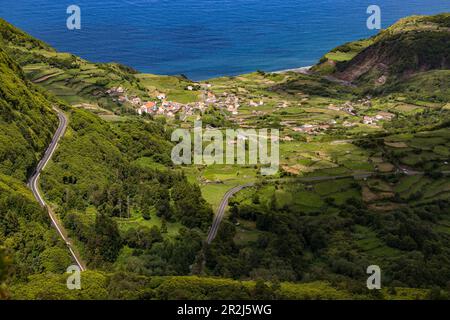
point(224, 203)
point(33, 184)
point(363, 175)
point(221, 211)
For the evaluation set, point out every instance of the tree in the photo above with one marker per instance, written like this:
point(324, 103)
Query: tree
point(163, 207)
point(255, 198)
point(436, 294)
point(55, 260)
point(3, 272)
point(261, 291)
point(146, 215)
point(155, 234)
point(163, 226)
point(190, 207)
point(9, 223)
point(106, 239)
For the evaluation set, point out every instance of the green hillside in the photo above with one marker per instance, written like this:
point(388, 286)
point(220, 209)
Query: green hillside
point(121, 172)
point(77, 81)
point(412, 45)
point(369, 128)
point(27, 121)
point(127, 286)
point(13, 36)
point(129, 206)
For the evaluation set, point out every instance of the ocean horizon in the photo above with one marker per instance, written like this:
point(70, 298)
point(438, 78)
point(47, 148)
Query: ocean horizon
point(206, 38)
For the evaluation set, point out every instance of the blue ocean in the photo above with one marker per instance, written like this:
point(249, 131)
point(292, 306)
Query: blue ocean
point(207, 38)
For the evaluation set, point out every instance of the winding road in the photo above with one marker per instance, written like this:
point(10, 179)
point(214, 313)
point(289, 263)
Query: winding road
point(363, 175)
point(224, 203)
point(221, 211)
point(33, 184)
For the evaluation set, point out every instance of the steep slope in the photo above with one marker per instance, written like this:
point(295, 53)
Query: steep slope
point(13, 36)
point(26, 120)
point(27, 124)
point(77, 81)
point(69, 77)
point(433, 85)
point(400, 55)
point(118, 170)
point(26, 233)
point(412, 45)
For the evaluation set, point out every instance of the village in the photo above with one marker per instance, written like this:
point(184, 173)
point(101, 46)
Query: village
point(355, 110)
point(161, 106)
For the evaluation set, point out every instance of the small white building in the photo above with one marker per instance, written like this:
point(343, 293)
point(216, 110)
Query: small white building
point(369, 120)
point(120, 90)
point(252, 103)
point(136, 101)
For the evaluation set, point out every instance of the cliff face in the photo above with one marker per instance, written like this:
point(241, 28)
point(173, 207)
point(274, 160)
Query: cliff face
point(412, 45)
point(400, 55)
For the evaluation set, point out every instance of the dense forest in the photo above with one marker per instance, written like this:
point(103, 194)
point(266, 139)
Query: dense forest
point(123, 285)
point(295, 244)
point(28, 244)
point(26, 119)
point(120, 170)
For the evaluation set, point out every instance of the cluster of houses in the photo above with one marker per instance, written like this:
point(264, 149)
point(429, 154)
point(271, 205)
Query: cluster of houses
point(209, 97)
point(170, 108)
point(231, 103)
point(380, 116)
point(161, 106)
point(227, 101)
point(312, 128)
point(348, 107)
point(118, 94)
